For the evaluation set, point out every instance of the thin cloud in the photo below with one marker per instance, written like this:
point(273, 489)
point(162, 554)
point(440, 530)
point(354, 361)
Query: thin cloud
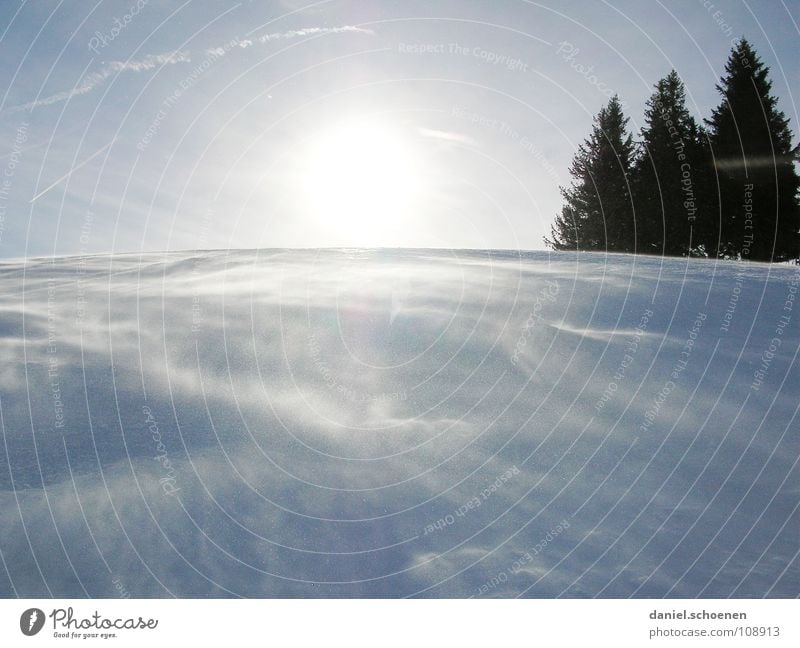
point(153, 61)
point(244, 43)
point(448, 136)
point(313, 31)
point(71, 171)
point(95, 79)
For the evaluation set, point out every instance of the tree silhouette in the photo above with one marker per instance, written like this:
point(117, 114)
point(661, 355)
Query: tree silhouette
point(666, 179)
point(757, 204)
point(597, 212)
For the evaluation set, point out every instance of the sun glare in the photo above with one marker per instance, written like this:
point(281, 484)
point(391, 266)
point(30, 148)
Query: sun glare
point(361, 177)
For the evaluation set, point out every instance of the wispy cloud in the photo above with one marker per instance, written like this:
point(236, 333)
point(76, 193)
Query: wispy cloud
point(153, 61)
point(244, 43)
point(70, 172)
point(98, 78)
point(312, 31)
point(448, 136)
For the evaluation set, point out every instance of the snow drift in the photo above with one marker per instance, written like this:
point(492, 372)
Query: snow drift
point(398, 423)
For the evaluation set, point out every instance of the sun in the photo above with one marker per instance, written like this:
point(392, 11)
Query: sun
point(361, 177)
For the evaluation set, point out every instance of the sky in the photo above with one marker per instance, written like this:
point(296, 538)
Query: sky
point(138, 125)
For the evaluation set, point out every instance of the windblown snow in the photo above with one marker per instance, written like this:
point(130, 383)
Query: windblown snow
point(398, 423)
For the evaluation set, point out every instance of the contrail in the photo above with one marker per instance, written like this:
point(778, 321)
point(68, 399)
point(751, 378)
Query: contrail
point(95, 79)
point(71, 171)
point(154, 61)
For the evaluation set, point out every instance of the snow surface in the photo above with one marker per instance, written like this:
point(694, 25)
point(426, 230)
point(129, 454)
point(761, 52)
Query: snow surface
point(398, 423)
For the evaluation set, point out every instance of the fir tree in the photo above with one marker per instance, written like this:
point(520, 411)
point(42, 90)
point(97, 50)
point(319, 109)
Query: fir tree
point(597, 212)
point(665, 178)
point(750, 141)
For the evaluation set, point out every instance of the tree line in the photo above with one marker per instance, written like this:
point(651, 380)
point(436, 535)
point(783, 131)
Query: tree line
point(727, 188)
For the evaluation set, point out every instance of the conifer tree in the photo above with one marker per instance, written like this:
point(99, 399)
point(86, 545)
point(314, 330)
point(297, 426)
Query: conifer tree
point(597, 212)
point(750, 143)
point(666, 175)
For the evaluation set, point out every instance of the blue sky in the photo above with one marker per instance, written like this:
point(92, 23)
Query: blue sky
point(130, 126)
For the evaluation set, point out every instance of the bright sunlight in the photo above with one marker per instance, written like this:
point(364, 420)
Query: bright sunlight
point(362, 176)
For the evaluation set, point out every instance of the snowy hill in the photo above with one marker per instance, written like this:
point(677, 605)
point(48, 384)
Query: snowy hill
point(398, 423)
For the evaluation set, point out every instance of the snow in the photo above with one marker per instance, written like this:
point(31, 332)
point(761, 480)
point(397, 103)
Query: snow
point(398, 423)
